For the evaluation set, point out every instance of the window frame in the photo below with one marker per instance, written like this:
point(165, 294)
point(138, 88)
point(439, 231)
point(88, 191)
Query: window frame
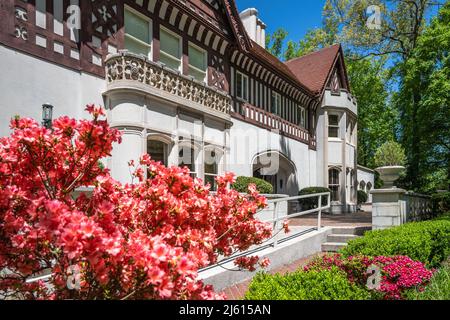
point(243, 76)
point(218, 156)
point(330, 126)
point(334, 185)
point(167, 55)
point(275, 96)
point(132, 38)
point(205, 52)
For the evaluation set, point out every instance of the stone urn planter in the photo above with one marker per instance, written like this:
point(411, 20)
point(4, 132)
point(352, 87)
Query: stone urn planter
point(389, 175)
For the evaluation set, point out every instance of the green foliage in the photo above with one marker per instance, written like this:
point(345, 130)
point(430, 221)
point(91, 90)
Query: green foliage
point(242, 183)
point(376, 117)
point(441, 201)
point(312, 285)
point(428, 242)
point(437, 289)
point(390, 154)
point(311, 203)
point(274, 42)
point(362, 197)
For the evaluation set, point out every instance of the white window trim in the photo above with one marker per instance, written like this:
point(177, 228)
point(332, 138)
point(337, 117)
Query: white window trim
point(205, 80)
point(150, 27)
point(180, 48)
point(246, 91)
point(334, 126)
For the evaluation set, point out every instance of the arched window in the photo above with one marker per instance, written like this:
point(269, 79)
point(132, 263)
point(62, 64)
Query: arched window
point(211, 166)
point(362, 186)
point(369, 186)
point(158, 151)
point(333, 184)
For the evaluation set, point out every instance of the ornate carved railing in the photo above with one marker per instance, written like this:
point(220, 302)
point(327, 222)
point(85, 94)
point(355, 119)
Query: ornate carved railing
point(417, 207)
point(135, 69)
point(271, 121)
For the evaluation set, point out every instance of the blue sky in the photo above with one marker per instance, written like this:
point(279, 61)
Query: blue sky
point(296, 16)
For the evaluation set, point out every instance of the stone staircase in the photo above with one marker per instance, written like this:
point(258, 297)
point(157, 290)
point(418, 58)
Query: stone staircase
point(341, 236)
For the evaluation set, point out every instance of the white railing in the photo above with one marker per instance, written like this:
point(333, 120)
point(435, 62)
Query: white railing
point(278, 210)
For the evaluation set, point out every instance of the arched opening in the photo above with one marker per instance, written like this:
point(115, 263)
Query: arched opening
point(158, 151)
point(362, 186)
point(369, 186)
point(278, 170)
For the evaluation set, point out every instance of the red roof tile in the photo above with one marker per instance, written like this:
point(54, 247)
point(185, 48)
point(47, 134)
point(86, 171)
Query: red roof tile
point(312, 70)
point(280, 67)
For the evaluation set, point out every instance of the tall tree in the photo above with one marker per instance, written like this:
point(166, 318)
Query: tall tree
point(428, 70)
point(275, 41)
point(376, 118)
point(389, 28)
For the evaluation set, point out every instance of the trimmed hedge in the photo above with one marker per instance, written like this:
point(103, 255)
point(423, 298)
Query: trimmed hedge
point(362, 197)
point(242, 183)
point(311, 203)
point(428, 242)
point(312, 285)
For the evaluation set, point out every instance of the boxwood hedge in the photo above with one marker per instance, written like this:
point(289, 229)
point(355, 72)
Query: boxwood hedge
point(428, 242)
point(312, 285)
point(242, 183)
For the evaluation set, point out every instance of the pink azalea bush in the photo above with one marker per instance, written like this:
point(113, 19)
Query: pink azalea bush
point(145, 240)
point(398, 274)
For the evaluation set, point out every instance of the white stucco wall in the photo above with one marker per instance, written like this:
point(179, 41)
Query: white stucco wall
point(27, 82)
point(367, 176)
point(248, 141)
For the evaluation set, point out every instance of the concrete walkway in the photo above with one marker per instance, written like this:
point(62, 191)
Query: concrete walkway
point(359, 219)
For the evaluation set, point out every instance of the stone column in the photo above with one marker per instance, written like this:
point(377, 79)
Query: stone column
point(388, 208)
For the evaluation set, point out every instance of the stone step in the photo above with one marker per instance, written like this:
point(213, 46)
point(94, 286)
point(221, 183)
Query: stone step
point(333, 246)
point(342, 238)
point(358, 231)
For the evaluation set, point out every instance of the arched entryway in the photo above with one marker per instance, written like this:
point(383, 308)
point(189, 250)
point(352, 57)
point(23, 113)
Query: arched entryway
point(278, 170)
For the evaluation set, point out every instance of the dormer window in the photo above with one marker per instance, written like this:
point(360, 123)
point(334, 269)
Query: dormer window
point(241, 86)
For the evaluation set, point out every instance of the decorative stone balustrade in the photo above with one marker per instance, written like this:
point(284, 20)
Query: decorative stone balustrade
point(127, 70)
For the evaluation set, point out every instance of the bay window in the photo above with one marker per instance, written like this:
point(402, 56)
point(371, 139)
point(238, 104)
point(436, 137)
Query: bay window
point(333, 184)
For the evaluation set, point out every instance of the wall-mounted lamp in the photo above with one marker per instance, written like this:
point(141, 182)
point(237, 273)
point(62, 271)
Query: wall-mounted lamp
point(47, 115)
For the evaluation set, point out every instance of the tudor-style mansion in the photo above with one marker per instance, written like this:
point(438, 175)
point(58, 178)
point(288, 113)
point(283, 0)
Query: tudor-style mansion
point(190, 83)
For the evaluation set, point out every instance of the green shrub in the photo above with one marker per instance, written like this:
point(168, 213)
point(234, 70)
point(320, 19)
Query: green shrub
point(311, 203)
point(362, 197)
point(242, 183)
point(428, 242)
point(437, 289)
point(390, 154)
point(312, 285)
point(441, 201)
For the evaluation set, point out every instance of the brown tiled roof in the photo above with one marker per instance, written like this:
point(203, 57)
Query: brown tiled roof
point(312, 70)
point(280, 67)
